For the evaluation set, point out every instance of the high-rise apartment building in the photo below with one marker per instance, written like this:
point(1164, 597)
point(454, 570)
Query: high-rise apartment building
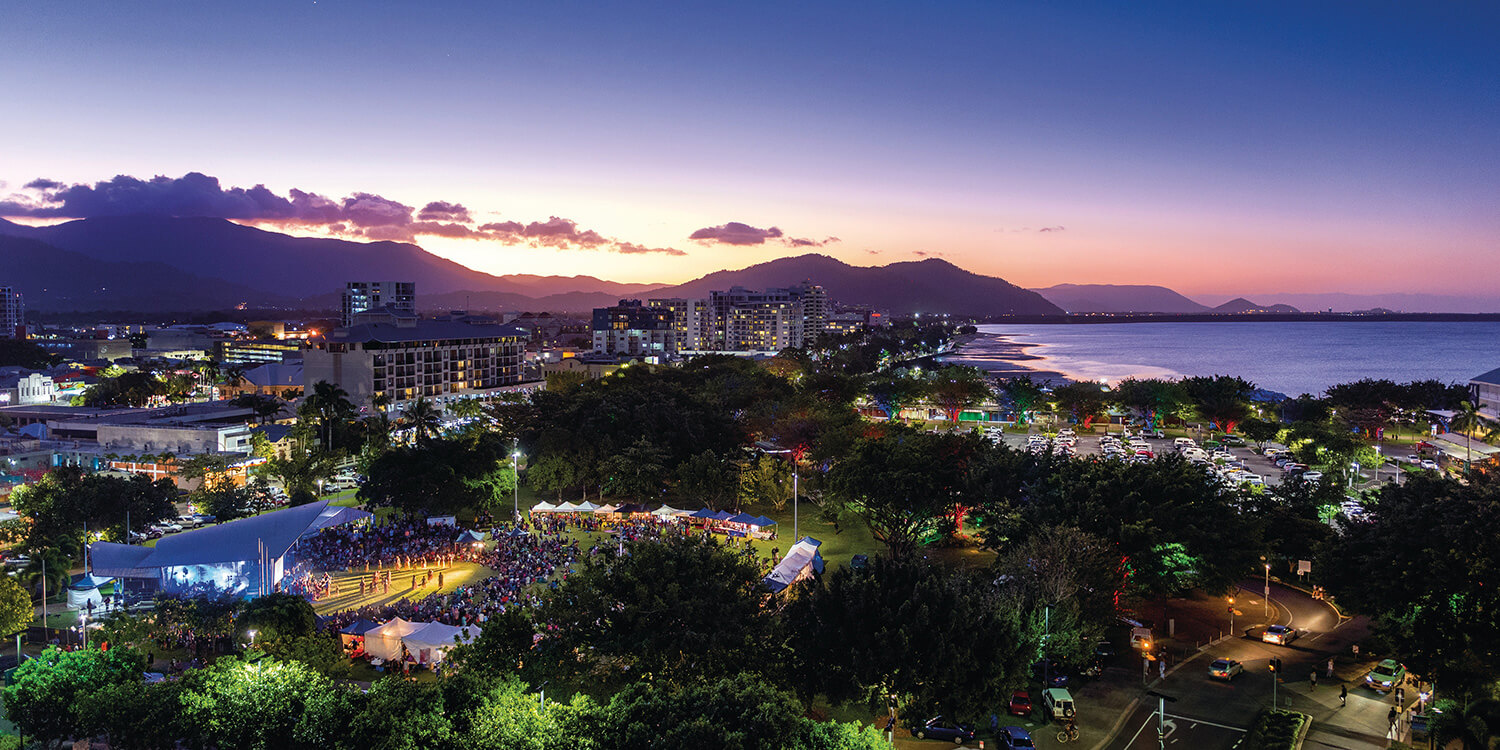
point(12, 314)
point(771, 320)
point(689, 321)
point(633, 329)
point(370, 296)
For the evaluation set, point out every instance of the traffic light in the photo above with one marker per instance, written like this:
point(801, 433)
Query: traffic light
point(1275, 664)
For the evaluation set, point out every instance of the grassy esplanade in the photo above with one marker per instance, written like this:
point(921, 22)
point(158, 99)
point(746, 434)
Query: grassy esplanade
point(458, 574)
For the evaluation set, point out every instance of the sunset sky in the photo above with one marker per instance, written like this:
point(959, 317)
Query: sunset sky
point(1212, 147)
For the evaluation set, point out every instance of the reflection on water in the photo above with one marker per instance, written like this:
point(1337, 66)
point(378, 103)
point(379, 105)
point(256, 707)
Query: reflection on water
point(1289, 357)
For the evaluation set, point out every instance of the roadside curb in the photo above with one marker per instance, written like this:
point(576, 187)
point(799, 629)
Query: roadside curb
point(1337, 610)
point(1302, 733)
point(1115, 729)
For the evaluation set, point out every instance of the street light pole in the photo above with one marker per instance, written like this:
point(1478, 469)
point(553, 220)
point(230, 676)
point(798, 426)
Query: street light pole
point(1267, 592)
point(795, 534)
point(515, 472)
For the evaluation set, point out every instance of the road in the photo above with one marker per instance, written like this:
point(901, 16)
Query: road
point(1088, 445)
point(1210, 714)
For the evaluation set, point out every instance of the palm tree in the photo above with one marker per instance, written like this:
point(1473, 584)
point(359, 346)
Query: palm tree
point(1466, 419)
point(423, 418)
point(330, 403)
point(378, 428)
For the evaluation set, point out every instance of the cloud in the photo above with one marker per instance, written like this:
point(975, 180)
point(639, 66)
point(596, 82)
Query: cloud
point(445, 211)
point(927, 253)
point(1052, 229)
point(629, 248)
point(363, 215)
point(735, 233)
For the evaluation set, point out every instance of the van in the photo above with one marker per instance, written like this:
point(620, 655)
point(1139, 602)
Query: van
point(1058, 703)
point(1183, 442)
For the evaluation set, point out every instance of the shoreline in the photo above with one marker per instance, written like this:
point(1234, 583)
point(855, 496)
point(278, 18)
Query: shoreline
point(1004, 357)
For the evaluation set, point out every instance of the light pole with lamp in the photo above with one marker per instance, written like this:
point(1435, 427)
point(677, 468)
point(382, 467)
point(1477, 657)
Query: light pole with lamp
point(771, 449)
point(515, 475)
point(83, 619)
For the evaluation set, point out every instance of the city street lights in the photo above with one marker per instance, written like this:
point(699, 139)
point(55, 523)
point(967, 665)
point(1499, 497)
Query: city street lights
point(251, 633)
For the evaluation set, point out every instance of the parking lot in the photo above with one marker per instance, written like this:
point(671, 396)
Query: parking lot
point(1241, 457)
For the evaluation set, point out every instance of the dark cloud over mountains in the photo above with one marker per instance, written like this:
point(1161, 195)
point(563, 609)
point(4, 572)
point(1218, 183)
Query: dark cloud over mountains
point(741, 234)
point(364, 215)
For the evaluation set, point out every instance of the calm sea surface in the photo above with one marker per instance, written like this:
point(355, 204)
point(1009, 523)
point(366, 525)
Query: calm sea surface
point(1291, 358)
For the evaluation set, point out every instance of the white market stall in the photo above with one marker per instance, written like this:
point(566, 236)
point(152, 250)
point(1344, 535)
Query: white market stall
point(424, 642)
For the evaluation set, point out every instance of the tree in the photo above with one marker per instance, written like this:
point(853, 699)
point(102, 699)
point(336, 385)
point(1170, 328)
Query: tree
point(945, 638)
point(955, 388)
point(132, 715)
point(1152, 399)
point(679, 607)
point(16, 610)
point(908, 485)
point(329, 404)
point(442, 476)
point(707, 478)
point(1260, 431)
point(1220, 399)
point(248, 703)
point(278, 616)
point(46, 695)
point(767, 479)
point(891, 392)
point(739, 712)
point(1466, 419)
point(1065, 580)
point(636, 471)
point(1024, 394)
point(512, 718)
point(423, 418)
point(28, 354)
point(502, 644)
point(1082, 401)
point(1423, 565)
point(301, 469)
point(264, 406)
point(402, 714)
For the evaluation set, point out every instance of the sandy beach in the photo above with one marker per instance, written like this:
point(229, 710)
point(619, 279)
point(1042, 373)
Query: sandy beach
point(1002, 356)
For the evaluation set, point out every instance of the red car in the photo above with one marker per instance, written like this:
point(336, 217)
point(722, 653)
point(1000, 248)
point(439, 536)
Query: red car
point(1020, 703)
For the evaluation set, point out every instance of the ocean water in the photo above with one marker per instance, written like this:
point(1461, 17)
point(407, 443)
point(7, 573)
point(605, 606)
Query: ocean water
point(1292, 358)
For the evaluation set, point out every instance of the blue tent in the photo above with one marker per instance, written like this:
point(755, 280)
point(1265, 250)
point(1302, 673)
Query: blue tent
point(360, 627)
point(722, 515)
point(762, 521)
point(744, 518)
point(702, 513)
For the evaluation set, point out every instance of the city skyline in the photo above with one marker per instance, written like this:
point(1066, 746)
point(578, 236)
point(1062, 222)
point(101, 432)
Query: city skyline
point(1215, 151)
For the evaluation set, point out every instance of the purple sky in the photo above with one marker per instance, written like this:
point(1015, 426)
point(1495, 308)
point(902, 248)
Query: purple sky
point(1213, 148)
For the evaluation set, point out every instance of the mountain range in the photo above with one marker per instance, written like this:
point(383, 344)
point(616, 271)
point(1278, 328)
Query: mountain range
point(157, 263)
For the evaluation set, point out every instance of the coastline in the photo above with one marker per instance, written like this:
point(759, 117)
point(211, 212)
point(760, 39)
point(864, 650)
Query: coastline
point(1002, 356)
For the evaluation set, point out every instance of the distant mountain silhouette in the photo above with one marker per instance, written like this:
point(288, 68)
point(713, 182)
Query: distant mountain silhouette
point(1119, 298)
point(1241, 305)
point(926, 286)
point(187, 257)
point(54, 279)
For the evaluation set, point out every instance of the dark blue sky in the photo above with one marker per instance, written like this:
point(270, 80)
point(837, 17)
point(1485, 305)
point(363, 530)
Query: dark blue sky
point(1208, 146)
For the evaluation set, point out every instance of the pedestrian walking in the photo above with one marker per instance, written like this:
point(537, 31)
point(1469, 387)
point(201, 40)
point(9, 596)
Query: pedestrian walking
point(1355, 648)
point(1343, 695)
point(1400, 696)
point(1161, 668)
point(1312, 679)
point(1330, 668)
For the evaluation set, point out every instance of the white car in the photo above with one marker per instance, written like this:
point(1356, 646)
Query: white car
point(1254, 480)
point(1280, 635)
point(1428, 463)
point(1312, 476)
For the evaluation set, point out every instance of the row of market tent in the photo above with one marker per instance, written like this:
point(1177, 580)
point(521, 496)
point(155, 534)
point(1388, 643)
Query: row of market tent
point(719, 521)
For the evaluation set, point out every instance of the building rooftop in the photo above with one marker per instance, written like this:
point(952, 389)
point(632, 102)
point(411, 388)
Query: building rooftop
point(425, 330)
point(1490, 378)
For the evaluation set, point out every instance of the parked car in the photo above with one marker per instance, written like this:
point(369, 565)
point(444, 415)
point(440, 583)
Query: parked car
point(1140, 638)
point(1050, 672)
point(938, 728)
point(1225, 669)
point(1020, 704)
point(1058, 703)
point(1386, 675)
point(1280, 635)
point(1234, 440)
point(1428, 463)
point(1103, 650)
point(203, 518)
point(1153, 433)
point(167, 527)
point(1015, 738)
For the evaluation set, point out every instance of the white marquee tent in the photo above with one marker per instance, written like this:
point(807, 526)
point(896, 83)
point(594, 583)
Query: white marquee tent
point(426, 642)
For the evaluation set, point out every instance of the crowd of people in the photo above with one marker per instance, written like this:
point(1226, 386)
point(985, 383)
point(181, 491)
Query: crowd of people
point(518, 560)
